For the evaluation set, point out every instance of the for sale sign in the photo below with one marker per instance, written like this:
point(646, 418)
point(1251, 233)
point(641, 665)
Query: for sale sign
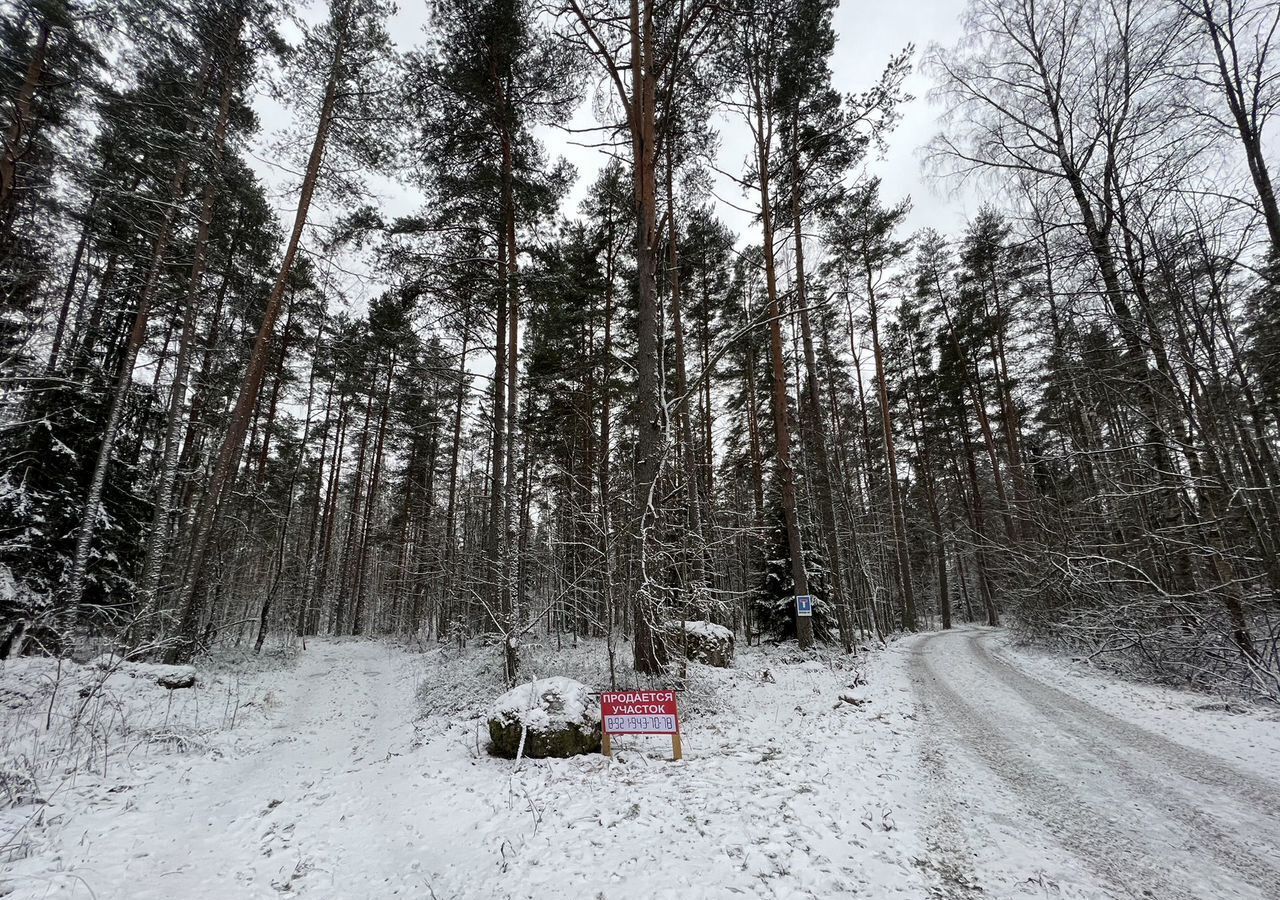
point(639, 712)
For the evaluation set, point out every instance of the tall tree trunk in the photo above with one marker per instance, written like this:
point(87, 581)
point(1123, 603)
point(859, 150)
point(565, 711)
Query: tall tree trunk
point(18, 128)
point(317, 499)
point(606, 496)
point(697, 553)
point(510, 554)
point(375, 478)
point(455, 450)
point(158, 538)
point(498, 454)
point(330, 515)
point(73, 276)
point(812, 401)
point(979, 525)
point(753, 443)
point(73, 590)
point(649, 649)
point(351, 543)
point(273, 399)
point(905, 582)
point(781, 428)
point(247, 397)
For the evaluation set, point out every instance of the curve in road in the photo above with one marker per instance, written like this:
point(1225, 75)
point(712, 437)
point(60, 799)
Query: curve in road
point(1134, 812)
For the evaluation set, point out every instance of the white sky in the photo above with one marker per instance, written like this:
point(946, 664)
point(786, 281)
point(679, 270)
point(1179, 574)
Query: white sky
point(869, 32)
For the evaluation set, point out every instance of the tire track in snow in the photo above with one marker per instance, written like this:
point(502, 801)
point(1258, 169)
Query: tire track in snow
point(951, 858)
point(1056, 754)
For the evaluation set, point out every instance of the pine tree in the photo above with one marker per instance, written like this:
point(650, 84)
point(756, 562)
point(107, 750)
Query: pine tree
point(50, 62)
point(775, 597)
point(349, 54)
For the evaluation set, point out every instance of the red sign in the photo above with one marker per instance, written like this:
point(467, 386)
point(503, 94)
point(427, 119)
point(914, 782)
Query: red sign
point(639, 712)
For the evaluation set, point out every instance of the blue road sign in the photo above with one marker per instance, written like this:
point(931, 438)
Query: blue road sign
point(804, 604)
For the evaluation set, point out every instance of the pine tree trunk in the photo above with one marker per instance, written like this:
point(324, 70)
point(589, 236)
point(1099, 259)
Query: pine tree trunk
point(696, 553)
point(781, 428)
point(498, 453)
point(455, 449)
point(332, 489)
point(158, 539)
point(13, 150)
point(510, 541)
point(375, 478)
point(351, 543)
point(812, 399)
point(73, 590)
point(753, 443)
point(905, 582)
point(246, 400)
point(606, 497)
point(649, 649)
point(979, 525)
point(64, 313)
point(317, 515)
point(273, 399)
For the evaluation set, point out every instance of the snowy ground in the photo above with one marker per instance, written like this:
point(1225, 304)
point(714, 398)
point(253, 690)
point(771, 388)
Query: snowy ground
point(960, 769)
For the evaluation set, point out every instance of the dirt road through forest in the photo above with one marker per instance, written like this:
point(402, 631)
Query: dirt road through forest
point(1021, 767)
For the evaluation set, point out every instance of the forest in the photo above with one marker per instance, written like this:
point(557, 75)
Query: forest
point(571, 401)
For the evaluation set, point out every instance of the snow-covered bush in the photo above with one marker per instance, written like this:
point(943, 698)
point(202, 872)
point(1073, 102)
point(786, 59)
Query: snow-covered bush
point(548, 717)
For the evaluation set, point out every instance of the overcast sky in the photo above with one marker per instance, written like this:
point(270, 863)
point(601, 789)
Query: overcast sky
point(869, 32)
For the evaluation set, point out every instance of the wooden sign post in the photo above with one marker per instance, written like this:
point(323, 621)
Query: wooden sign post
point(640, 712)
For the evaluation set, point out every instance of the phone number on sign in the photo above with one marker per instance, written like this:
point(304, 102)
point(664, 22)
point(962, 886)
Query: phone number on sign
point(640, 724)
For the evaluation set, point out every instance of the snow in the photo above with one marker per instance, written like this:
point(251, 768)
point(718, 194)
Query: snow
point(84, 735)
point(369, 778)
point(538, 705)
point(946, 766)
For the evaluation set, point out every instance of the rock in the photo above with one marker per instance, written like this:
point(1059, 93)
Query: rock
point(171, 677)
point(181, 677)
point(706, 642)
point(557, 716)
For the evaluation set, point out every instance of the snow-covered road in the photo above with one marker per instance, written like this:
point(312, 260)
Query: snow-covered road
point(1024, 777)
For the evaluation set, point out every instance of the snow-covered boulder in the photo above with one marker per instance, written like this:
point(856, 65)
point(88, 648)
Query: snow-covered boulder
point(705, 642)
point(556, 717)
point(171, 677)
point(177, 677)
